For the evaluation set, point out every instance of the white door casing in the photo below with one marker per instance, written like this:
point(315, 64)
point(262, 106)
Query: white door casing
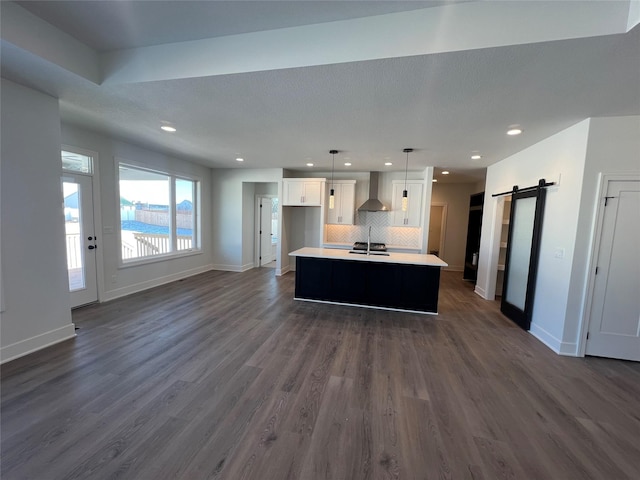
point(614, 313)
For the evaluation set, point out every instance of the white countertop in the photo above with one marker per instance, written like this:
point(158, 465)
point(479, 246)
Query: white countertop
point(393, 257)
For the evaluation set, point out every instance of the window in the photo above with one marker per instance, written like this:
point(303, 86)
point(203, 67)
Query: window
point(159, 214)
point(274, 220)
point(77, 162)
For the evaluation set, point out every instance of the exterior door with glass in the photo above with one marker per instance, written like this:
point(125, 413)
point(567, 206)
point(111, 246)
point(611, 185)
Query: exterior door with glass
point(81, 241)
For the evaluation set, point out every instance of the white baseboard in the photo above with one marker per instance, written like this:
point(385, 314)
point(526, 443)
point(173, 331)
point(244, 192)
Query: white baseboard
point(233, 268)
point(156, 282)
point(569, 349)
point(555, 344)
point(454, 268)
point(282, 271)
point(227, 268)
point(481, 292)
point(33, 344)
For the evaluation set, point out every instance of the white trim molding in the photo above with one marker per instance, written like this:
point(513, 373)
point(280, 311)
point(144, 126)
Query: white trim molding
point(33, 344)
point(282, 271)
point(555, 344)
point(156, 282)
point(233, 268)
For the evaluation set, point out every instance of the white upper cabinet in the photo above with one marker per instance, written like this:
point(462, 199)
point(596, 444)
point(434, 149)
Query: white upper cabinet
point(413, 216)
point(303, 191)
point(344, 205)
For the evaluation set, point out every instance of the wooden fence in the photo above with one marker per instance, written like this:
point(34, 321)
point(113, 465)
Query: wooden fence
point(161, 217)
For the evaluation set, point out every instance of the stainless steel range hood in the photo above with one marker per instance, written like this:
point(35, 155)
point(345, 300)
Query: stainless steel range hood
point(373, 204)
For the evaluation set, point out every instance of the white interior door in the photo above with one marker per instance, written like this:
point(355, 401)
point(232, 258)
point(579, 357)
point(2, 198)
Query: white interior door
point(266, 254)
point(81, 240)
point(614, 322)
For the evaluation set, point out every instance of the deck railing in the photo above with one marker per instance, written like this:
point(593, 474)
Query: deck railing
point(74, 252)
point(150, 244)
point(146, 244)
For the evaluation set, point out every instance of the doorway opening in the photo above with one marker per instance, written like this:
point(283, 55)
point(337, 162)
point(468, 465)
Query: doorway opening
point(266, 228)
point(437, 229)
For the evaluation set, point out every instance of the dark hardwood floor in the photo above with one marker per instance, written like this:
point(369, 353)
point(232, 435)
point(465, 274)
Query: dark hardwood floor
point(223, 375)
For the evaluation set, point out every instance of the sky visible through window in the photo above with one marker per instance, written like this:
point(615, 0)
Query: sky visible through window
point(155, 192)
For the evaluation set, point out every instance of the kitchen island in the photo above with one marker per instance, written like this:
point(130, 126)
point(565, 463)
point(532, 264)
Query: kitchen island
point(392, 281)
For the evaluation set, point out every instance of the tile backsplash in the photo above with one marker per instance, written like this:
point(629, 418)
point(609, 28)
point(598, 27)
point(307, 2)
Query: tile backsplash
point(381, 231)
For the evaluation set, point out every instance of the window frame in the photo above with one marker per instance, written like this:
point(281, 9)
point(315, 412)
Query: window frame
point(172, 176)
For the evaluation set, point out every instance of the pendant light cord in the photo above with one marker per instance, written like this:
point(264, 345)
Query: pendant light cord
point(333, 164)
point(406, 166)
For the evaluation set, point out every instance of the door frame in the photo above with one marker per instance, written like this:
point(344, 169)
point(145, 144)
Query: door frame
point(443, 227)
point(256, 237)
point(97, 215)
point(596, 235)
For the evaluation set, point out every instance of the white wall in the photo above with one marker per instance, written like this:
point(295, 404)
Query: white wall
point(36, 289)
point(304, 228)
point(560, 156)
point(248, 224)
point(267, 189)
point(613, 148)
point(580, 154)
point(116, 280)
point(231, 231)
point(456, 197)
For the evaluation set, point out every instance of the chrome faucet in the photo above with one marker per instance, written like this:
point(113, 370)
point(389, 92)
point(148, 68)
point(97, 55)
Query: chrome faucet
point(369, 241)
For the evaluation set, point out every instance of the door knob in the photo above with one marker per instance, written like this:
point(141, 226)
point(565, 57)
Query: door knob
point(91, 247)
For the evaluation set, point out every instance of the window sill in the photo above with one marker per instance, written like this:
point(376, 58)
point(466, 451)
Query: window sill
point(158, 258)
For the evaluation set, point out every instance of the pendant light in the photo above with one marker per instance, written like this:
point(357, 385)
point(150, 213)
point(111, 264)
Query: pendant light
point(332, 198)
point(405, 198)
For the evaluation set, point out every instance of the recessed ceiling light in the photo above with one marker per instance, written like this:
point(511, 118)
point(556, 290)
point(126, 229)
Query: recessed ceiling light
point(347, 164)
point(388, 164)
point(445, 172)
point(514, 130)
point(435, 180)
point(309, 164)
point(476, 156)
point(239, 159)
point(168, 128)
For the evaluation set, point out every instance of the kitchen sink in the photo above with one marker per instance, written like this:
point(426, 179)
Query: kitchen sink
point(364, 252)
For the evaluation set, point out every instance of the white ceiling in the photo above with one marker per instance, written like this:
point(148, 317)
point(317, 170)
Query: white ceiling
point(113, 25)
point(282, 83)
